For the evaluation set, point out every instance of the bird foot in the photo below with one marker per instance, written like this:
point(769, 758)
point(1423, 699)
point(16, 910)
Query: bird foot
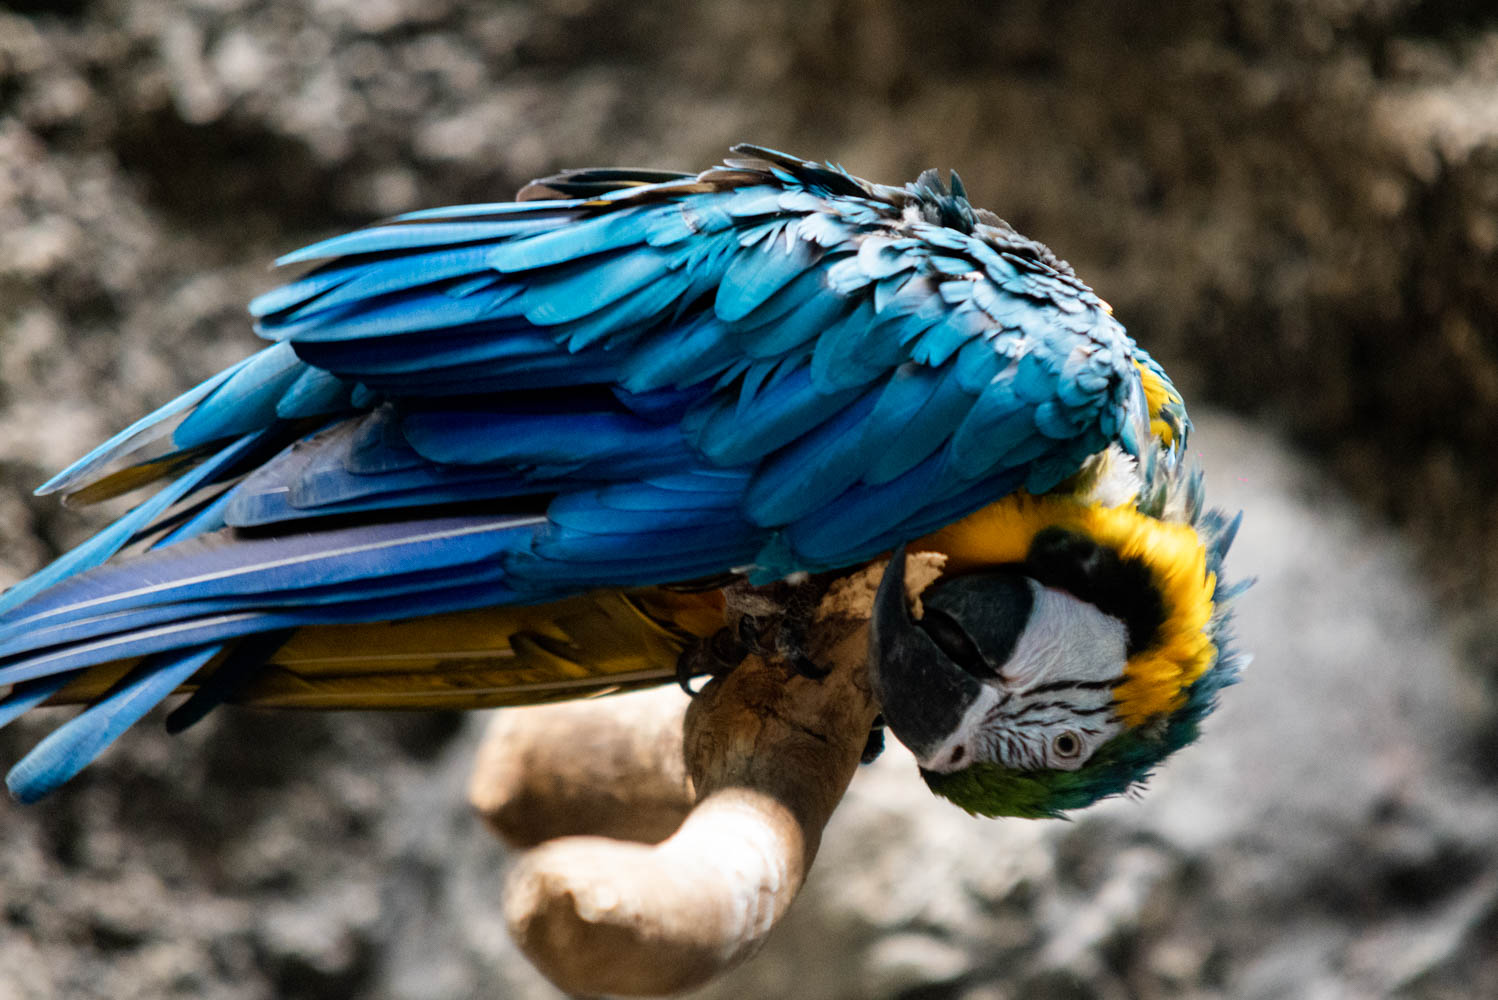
point(773, 622)
point(874, 746)
point(715, 656)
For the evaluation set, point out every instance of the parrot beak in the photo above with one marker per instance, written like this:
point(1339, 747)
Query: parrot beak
point(923, 694)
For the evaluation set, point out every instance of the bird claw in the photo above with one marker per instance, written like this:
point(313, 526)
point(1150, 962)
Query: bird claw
point(793, 634)
point(788, 623)
point(715, 656)
point(806, 667)
point(688, 667)
point(875, 744)
point(747, 629)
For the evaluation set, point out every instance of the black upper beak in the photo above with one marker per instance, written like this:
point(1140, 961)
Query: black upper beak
point(923, 694)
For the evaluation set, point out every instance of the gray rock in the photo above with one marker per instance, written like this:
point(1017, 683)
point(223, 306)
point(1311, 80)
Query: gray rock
point(1293, 205)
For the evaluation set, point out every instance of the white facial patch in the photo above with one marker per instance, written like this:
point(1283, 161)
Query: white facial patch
point(1052, 704)
point(1065, 639)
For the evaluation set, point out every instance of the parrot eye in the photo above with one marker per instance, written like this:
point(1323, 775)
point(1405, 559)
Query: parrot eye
point(954, 641)
point(1066, 745)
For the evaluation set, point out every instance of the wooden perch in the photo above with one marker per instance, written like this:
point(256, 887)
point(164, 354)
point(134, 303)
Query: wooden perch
point(755, 763)
point(610, 767)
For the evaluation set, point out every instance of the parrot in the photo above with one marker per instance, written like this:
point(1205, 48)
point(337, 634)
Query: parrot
point(509, 453)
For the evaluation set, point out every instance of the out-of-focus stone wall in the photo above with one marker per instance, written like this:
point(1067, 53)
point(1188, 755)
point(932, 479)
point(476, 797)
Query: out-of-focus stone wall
point(1293, 204)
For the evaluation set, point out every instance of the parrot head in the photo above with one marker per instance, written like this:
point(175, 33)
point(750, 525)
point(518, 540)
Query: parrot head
point(1067, 649)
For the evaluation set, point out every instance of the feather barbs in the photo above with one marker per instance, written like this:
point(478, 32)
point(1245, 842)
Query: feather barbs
point(1167, 411)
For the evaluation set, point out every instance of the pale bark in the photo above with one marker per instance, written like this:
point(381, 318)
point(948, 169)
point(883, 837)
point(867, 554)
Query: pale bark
point(764, 753)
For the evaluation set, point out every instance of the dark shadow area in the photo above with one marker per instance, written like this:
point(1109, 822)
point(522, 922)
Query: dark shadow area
point(201, 176)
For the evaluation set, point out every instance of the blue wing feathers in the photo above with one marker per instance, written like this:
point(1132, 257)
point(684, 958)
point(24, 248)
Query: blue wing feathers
point(635, 312)
point(682, 355)
point(306, 289)
point(271, 482)
point(730, 432)
point(274, 508)
point(789, 320)
point(109, 541)
point(1061, 423)
point(855, 350)
point(314, 393)
point(583, 562)
point(217, 628)
point(816, 468)
point(919, 410)
point(325, 490)
point(521, 440)
point(949, 334)
point(84, 626)
point(246, 402)
point(864, 513)
point(670, 493)
point(386, 277)
point(376, 444)
point(196, 519)
point(225, 678)
point(414, 355)
point(979, 361)
point(587, 287)
point(213, 567)
point(574, 513)
point(566, 244)
point(755, 201)
point(145, 430)
point(769, 368)
point(412, 311)
point(757, 273)
point(414, 236)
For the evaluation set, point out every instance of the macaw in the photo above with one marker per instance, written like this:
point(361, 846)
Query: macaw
point(507, 453)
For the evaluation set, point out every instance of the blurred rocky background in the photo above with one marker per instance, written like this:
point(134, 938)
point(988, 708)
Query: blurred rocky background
point(1293, 204)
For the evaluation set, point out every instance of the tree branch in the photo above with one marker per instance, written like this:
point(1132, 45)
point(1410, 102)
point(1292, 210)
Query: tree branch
point(765, 752)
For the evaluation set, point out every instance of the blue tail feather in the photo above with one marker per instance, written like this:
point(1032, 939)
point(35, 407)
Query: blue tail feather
point(226, 679)
point(27, 695)
point(215, 567)
point(74, 745)
point(93, 627)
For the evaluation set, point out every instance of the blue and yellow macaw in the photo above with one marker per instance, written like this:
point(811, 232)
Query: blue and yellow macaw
point(508, 453)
